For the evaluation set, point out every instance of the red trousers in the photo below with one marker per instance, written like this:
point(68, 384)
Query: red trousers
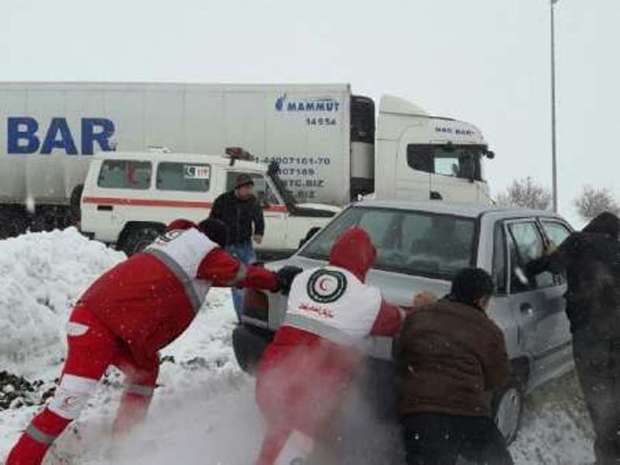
point(92, 349)
point(299, 391)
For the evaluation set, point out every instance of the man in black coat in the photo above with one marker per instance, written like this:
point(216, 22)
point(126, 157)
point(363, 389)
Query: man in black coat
point(591, 261)
point(241, 211)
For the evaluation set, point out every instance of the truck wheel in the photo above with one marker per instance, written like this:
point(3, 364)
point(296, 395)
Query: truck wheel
point(12, 223)
point(75, 204)
point(138, 238)
point(508, 410)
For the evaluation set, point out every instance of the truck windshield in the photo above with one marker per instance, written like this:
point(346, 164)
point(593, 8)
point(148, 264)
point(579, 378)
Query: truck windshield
point(409, 242)
point(459, 161)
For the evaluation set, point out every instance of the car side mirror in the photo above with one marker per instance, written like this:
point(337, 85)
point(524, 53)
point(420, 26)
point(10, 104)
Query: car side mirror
point(309, 235)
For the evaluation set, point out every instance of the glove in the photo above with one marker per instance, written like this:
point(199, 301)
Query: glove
point(286, 276)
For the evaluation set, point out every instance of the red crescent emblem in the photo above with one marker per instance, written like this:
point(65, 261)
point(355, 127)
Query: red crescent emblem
point(321, 285)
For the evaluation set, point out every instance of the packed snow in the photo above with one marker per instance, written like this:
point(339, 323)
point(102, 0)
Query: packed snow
point(203, 411)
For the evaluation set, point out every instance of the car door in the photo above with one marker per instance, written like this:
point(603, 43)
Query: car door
point(538, 303)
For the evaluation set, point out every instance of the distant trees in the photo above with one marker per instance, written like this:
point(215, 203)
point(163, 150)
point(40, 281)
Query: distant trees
point(525, 193)
point(592, 201)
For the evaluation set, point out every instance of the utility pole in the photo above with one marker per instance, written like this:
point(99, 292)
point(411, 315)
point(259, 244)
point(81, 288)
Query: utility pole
point(554, 142)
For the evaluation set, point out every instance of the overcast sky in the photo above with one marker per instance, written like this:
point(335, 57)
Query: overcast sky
point(484, 61)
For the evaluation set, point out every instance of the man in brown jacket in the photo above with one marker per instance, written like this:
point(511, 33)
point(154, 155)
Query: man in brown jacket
point(449, 355)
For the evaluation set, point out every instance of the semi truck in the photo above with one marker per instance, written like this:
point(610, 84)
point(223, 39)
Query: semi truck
point(331, 145)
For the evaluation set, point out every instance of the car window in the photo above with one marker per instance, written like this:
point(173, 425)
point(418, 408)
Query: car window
point(500, 263)
point(557, 232)
point(526, 244)
point(125, 174)
point(262, 186)
point(189, 177)
point(417, 243)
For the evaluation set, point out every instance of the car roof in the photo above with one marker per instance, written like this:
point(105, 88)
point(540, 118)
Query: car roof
point(457, 209)
point(218, 160)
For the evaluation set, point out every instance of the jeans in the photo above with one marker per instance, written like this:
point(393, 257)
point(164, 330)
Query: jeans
point(597, 361)
point(437, 439)
point(243, 252)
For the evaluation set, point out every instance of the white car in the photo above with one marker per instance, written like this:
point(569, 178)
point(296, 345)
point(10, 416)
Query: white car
point(129, 198)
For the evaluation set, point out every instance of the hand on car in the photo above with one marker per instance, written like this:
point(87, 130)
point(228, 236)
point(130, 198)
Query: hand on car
point(258, 238)
point(286, 276)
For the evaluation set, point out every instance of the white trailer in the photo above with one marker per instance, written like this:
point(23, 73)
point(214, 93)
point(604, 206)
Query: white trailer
point(323, 137)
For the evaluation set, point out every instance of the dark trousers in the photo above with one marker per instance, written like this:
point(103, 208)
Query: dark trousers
point(436, 439)
point(597, 362)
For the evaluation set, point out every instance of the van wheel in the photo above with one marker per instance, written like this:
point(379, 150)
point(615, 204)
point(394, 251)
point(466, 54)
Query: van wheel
point(508, 410)
point(139, 238)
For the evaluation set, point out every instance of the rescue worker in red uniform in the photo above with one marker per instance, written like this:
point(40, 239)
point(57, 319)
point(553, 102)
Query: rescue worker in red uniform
point(304, 374)
point(129, 314)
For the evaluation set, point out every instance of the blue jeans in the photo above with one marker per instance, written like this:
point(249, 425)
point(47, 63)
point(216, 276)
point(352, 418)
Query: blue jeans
point(245, 254)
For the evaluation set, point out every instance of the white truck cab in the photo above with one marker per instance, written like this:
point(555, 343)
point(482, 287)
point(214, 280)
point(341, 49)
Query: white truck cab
point(129, 198)
point(419, 156)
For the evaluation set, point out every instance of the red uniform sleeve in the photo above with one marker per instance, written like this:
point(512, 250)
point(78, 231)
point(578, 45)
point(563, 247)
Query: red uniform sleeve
point(389, 320)
point(226, 271)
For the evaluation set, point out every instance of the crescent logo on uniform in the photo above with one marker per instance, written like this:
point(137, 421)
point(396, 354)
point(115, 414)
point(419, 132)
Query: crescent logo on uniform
point(169, 236)
point(325, 286)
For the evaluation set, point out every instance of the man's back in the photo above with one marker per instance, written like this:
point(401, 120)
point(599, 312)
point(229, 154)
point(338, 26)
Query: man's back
point(592, 266)
point(449, 355)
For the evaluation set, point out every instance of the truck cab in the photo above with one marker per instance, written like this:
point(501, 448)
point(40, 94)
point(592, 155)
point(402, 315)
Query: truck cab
point(129, 198)
point(416, 156)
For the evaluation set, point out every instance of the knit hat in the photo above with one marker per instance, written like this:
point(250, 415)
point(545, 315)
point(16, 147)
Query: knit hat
point(243, 180)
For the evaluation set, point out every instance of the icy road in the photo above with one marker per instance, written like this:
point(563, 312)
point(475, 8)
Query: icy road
point(203, 412)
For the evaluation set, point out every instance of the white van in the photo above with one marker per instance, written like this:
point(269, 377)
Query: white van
point(129, 198)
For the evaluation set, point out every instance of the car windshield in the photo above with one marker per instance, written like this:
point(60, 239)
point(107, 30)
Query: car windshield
point(410, 242)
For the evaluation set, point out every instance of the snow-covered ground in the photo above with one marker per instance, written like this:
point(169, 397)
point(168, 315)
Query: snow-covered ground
point(204, 411)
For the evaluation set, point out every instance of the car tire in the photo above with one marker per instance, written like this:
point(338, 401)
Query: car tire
point(138, 238)
point(508, 410)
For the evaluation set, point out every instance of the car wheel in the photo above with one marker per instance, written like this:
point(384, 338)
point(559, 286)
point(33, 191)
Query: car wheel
point(508, 410)
point(140, 238)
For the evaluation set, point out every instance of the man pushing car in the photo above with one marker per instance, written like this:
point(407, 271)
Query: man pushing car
point(129, 314)
point(305, 372)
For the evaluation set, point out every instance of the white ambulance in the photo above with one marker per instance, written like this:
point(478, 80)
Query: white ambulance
point(129, 197)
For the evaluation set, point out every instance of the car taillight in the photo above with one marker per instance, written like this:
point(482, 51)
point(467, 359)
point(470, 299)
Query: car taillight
point(256, 305)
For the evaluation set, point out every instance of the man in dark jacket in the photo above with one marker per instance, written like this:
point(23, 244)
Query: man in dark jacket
point(449, 355)
point(240, 210)
point(591, 261)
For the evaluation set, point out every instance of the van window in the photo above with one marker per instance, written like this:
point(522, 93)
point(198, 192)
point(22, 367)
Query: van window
point(262, 188)
point(459, 161)
point(125, 174)
point(188, 177)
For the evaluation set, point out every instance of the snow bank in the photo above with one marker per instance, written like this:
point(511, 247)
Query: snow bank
point(41, 277)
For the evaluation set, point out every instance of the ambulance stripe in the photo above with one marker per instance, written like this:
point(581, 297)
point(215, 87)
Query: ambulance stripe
point(319, 328)
point(39, 435)
point(164, 203)
point(181, 275)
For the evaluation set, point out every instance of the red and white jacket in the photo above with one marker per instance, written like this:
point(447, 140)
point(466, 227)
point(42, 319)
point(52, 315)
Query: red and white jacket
point(150, 299)
point(316, 350)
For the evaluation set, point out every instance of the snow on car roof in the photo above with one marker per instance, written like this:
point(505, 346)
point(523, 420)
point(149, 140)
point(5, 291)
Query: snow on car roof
point(457, 209)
